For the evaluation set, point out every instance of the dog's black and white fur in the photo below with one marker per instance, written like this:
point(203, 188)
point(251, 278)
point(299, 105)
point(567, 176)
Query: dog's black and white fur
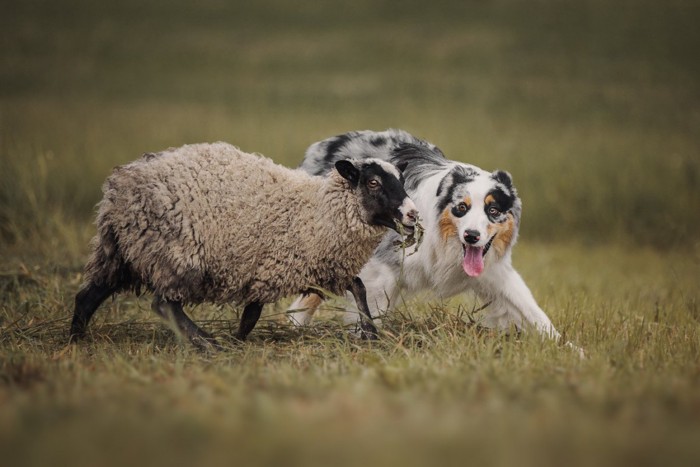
point(471, 219)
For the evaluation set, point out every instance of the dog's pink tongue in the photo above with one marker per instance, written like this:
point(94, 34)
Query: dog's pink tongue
point(473, 263)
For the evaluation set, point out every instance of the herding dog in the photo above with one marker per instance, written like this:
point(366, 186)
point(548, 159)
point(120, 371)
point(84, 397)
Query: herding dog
point(471, 219)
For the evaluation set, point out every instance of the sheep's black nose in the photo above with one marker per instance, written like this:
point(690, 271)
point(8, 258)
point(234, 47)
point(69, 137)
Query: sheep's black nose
point(471, 236)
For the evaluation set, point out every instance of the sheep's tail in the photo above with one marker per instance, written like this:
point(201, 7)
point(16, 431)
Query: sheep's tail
point(106, 265)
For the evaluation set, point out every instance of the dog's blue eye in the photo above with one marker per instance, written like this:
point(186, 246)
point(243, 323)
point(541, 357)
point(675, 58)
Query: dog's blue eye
point(494, 211)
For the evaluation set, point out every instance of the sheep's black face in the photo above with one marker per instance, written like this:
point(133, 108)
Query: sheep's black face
point(380, 189)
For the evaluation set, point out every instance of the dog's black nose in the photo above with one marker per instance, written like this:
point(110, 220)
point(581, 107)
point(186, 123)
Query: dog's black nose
point(471, 236)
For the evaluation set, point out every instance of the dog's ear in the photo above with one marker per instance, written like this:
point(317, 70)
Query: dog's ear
point(503, 177)
point(348, 171)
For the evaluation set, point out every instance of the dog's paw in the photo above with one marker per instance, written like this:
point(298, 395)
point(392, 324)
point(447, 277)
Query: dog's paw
point(576, 349)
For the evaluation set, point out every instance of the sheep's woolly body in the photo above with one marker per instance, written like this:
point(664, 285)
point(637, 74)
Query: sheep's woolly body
point(208, 222)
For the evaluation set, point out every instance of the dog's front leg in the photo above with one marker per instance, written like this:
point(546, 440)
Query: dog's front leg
point(513, 304)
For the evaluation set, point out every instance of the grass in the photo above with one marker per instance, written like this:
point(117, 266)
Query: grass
point(434, 387)
point(592, 107)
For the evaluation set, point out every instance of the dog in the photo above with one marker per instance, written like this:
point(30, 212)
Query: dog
point(471, 219)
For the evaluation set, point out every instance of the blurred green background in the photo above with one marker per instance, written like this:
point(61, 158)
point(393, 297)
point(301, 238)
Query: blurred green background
point(592, 105)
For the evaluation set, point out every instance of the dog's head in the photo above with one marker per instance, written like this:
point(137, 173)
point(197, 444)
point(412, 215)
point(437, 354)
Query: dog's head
point(481, 210)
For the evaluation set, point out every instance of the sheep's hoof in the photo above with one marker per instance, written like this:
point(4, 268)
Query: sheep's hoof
point(240, 340)
point(368, 332)
point(206, 344)
point(75, 337)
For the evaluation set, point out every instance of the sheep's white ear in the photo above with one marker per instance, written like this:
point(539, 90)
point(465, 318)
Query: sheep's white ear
point(348, 171)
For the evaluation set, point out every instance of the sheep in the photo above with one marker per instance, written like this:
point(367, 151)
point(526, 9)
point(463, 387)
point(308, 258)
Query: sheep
point(211, 223)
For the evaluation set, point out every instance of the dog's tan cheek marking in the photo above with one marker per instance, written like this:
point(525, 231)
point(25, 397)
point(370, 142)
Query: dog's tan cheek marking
point(504, 235)
point(447, 225)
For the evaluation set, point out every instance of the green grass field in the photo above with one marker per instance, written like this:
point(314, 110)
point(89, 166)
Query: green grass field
point(593, 106)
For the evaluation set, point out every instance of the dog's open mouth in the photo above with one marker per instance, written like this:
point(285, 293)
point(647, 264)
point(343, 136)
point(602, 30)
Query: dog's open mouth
point(473, 262)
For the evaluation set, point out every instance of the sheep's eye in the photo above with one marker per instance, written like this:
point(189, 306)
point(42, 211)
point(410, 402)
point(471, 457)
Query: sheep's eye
point(373, 184)
point(494, 211)
point(460, 210)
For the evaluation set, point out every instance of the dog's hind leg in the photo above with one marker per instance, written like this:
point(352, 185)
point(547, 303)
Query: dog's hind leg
point(305, 306)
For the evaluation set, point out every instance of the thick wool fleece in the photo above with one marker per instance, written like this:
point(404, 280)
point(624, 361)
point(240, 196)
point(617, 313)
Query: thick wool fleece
point(208, 222)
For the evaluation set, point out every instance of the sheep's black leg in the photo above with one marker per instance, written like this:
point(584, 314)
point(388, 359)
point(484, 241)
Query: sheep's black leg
point(251, 314)
point(173, 313)
point(357, 288)
point(88, 299)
